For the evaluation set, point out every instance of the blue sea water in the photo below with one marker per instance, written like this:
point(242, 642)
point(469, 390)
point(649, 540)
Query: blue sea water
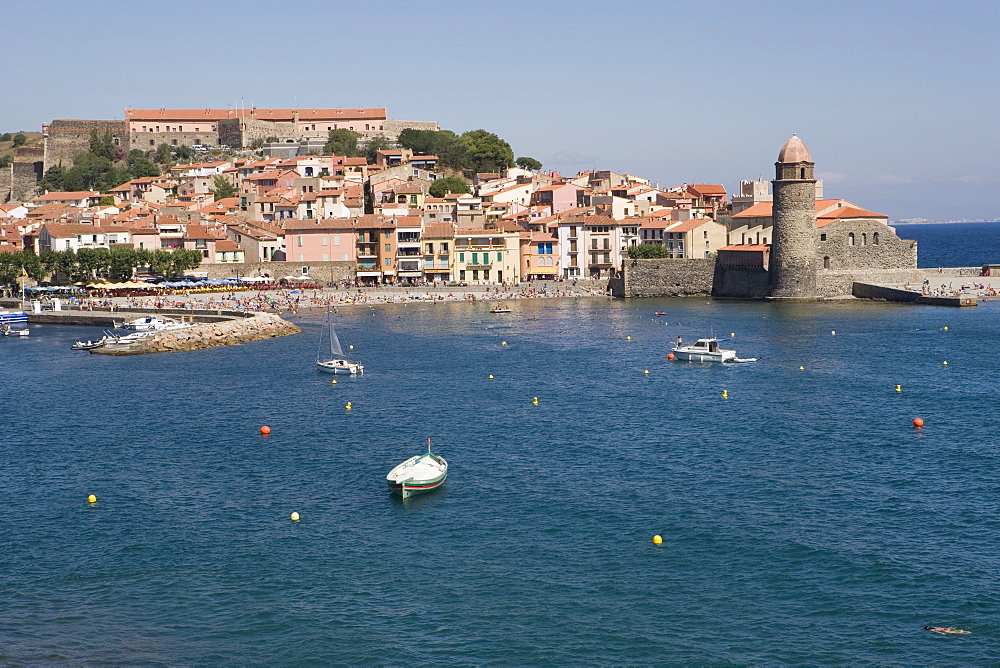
point(804, 519)
point(954, 244)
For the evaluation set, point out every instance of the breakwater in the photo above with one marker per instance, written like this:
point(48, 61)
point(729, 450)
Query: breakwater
point(208, 329)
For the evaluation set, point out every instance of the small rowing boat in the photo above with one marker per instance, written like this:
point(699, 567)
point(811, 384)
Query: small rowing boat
point(418, 474)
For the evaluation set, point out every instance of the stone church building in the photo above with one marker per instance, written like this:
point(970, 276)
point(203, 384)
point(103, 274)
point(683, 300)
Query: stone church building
point(818, 248)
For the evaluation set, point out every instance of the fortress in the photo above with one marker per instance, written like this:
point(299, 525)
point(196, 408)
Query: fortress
point(807, 260)
point(145, 129)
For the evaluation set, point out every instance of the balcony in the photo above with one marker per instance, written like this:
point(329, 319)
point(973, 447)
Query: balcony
point(483, 264)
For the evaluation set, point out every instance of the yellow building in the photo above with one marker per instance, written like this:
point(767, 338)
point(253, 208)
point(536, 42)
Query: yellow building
point(486, 256)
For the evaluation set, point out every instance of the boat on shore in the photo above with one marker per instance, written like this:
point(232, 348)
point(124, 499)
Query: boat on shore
point(13, 318)
point(418, 474)
point(707, 350)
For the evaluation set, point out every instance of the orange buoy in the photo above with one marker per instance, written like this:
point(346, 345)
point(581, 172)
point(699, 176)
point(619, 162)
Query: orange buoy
point(670, 356)
point(265, 430)
point(918, 423)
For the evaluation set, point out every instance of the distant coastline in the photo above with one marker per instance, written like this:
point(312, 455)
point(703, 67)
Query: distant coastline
point(924, 221)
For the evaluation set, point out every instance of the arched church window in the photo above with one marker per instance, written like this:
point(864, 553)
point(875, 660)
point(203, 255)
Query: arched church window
point(864, 238)
point(803, 172)
point(874, 238)
point(826, 262)
point(850, 238)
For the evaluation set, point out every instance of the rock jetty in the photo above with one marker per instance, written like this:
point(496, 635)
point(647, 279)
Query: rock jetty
point(255, 327)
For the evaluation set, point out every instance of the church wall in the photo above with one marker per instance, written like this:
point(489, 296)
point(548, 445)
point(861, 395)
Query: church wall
point(666, 278)
point(837, 251)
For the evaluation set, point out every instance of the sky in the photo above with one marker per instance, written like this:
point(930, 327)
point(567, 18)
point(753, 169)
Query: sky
point(897, 100)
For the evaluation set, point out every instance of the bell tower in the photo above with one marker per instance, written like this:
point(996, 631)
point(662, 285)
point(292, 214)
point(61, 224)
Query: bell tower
point(792, 272)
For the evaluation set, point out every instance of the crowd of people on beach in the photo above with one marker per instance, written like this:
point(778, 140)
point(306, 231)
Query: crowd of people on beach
point(293, 301)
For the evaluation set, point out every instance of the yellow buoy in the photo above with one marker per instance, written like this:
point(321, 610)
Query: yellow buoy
point(491, 376)
point(348, 406)
point(503, 343)
point(733, 335)
point(657, 539)
point(91, 499)
point(646, 372)
point(628, 338)
point(350, 347)
point(899, 388)
point(945, 362)
point(833, 332)
point(945, 328)
point(294, 517)
point(802, 368)
point(535, 401)
point(333, 382)
point(725, 394)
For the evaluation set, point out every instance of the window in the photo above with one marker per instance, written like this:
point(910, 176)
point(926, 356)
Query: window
point(326, 257)
point(874, 238)
point(444, 246)
point(475, 258)
point(607, 243)
point(388, 262)
point(301, 257)
point(544, 248)
point(593, 243)
point(826, 262)
point(325, 240)
point(388, 248)
point(461, 275)
point(850, 238)
point(343, 257)
point(864, 238)
point(475, 274)
point(336, 239)
point(822, 237)
point(461, 257)
point(300, 241)
point(499, 256)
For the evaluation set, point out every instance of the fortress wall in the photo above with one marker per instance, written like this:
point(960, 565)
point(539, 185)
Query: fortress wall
point(66, 137)
point(320, 272)
point(741, 282)
point(666, 278)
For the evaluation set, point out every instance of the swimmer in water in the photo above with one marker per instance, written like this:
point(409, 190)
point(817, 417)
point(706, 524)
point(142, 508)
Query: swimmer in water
point(944, 630)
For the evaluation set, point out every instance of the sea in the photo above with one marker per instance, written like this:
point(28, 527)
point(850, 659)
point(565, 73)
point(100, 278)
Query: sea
point(804, 518)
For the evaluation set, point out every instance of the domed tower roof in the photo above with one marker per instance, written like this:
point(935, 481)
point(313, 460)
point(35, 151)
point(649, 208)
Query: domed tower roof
point(794, 150)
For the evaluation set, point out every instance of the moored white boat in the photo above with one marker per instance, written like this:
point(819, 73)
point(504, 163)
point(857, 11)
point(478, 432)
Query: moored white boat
point(90, 345)
point(336, 362)
point(149, 323)
point(706, 350)
point(500, 308)
point(418, 474)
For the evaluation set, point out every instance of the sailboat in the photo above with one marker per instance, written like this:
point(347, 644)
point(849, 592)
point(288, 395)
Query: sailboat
point(336, 362)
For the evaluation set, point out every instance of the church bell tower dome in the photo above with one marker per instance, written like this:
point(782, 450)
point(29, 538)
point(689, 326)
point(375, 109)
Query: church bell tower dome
point(794, 150)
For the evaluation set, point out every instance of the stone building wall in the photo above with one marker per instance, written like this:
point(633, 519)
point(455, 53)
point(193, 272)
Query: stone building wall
point(320, 272)
point(64, 138)
point(24, 179)
point(664, 278)
point(875, 246)
point(741, 282)
point(148, 141)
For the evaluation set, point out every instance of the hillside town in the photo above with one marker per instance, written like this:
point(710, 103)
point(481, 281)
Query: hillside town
point(259, 189)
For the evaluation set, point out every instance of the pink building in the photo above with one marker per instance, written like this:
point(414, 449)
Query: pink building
point(327, 240)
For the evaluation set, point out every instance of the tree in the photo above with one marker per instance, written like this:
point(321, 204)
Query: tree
point(107, 200)
point(5, 136)
point(164, 155)
point(450, 184)
point(342, 142)
point(161, 261)
point(184, 152)
point(102, 144)
point(528, 163)
point(124, 260)
point(183, 259)
point(486, 152)
point(223, 188)
point(139, 165)
point(5, 160)
point(647, 251)
point(19, 139)
point(445, 144)
point(373, 146)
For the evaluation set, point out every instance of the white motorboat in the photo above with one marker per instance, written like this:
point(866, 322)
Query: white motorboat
point(335, 362)
point(149, 323)
point(706, 350)
point(418, 474)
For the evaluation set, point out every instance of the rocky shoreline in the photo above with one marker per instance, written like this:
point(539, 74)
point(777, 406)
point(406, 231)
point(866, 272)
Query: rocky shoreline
point(256, 327)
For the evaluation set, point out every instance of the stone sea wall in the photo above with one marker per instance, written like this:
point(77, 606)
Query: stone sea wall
point(664, 278)
point(257, 327)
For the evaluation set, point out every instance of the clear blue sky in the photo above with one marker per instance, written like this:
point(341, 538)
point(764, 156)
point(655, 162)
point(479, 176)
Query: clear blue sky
point(897, 100)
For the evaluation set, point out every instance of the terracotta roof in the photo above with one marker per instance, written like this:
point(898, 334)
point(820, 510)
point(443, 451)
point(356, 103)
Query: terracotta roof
point(439, 231)
point(209, 115)
point(226, 245)
point(746, 247)
point(68, 194)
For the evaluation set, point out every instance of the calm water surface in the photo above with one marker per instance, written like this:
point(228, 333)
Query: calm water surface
point(804, 519)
